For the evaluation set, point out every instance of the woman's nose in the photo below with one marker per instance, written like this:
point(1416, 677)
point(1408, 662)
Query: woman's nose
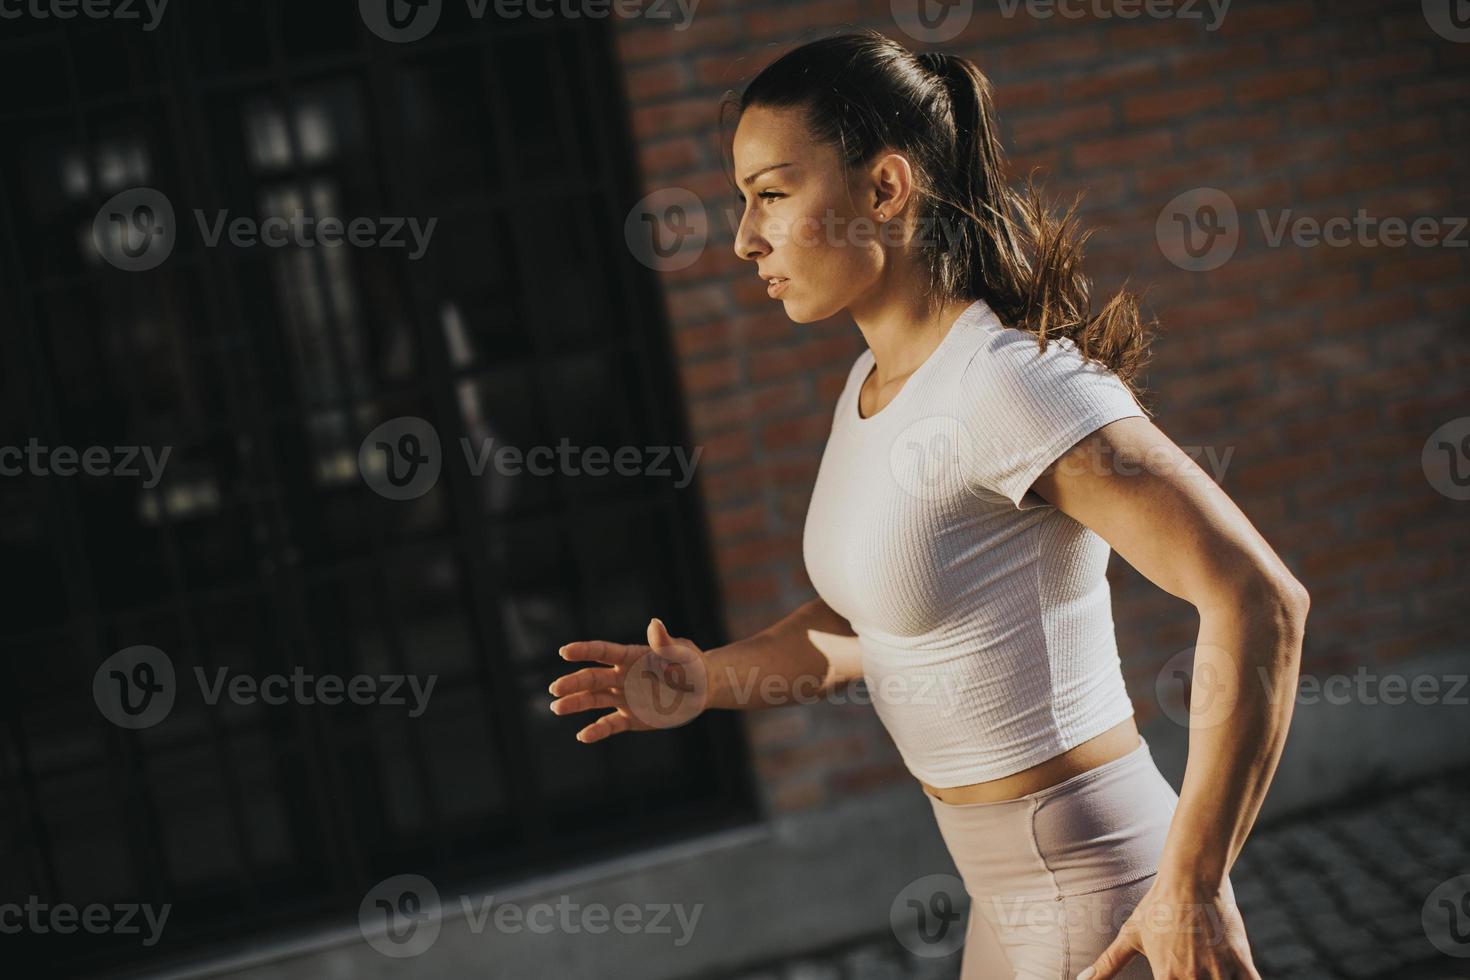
point(749, 244)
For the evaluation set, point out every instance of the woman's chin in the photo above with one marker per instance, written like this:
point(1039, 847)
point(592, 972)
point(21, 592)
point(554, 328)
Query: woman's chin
point(799, 312)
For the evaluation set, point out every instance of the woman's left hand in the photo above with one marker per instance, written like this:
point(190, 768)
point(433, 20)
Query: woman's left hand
point(1184, 934)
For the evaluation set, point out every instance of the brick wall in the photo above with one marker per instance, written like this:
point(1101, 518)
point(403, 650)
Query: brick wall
point(1322, 371)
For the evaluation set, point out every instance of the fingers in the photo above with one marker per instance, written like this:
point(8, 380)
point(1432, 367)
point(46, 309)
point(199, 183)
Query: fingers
point(586, 679)
point(609, 724)
point(1112, 960)
point(599, 650)
point(676, 649)
point(583, 701)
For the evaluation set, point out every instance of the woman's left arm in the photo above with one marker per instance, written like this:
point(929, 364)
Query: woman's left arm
point(1166, 517)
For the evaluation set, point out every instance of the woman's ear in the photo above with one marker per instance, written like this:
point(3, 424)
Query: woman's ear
point(892, 183)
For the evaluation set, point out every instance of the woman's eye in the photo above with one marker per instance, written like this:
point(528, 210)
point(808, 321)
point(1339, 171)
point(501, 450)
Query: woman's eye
point(763, 195)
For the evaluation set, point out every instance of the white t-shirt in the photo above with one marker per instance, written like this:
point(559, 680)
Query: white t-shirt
point(983, 612)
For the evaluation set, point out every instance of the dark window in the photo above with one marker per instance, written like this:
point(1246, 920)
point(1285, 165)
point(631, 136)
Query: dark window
point(261, 550)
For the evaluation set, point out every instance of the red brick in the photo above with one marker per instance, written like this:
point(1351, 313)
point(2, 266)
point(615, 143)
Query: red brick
point(785, 21)
point(1281, 84)
point(1305, 150)
point(1411, 133)
point(655, 80)
point(1218, 59)
point(1172, 102)
point(1334, 556)
point(1429, 93)
point(1056, 125)
point(678, 116)
point(670, 156)
point(647, 40)
point(1434, 163)
point(1110, 77)
point(758, 552)
point(717, 413)
point(702, 377)
point(1023, 95)
point(1277, 16)
point(1023, 56)
point(1152, 34)
point(1248, 474)
point(1231, 130)
point(753, 588)
point(1135, 150)
point(804, 431)
point(726, 448)
point(1403, 60)
point(1418, 266)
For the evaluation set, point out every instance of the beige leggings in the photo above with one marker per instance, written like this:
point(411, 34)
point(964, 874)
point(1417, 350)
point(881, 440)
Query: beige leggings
point(1052, 876)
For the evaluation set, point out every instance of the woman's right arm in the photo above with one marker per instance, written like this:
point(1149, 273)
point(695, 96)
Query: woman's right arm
point(670, 680)
point(806, 654)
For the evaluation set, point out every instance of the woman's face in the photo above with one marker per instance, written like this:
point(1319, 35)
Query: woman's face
point(803, 221)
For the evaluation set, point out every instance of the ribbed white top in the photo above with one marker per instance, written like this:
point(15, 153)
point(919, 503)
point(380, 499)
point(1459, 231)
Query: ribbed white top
point(983, 612)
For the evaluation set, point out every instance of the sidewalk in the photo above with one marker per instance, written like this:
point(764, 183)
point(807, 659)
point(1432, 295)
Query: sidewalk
point(1335, 894)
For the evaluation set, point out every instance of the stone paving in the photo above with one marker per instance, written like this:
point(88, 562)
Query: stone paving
point(1369, 890)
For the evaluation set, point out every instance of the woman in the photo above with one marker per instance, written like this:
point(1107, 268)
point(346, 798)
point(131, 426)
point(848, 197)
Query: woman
point(960, 526)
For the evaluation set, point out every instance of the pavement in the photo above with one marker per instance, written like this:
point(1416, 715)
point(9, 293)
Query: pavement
point(1369, 889)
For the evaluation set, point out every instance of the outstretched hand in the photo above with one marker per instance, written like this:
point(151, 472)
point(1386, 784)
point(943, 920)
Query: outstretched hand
point(661, 684)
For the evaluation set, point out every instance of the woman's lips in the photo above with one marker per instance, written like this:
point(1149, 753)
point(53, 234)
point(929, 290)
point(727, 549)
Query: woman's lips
point(776, 287)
